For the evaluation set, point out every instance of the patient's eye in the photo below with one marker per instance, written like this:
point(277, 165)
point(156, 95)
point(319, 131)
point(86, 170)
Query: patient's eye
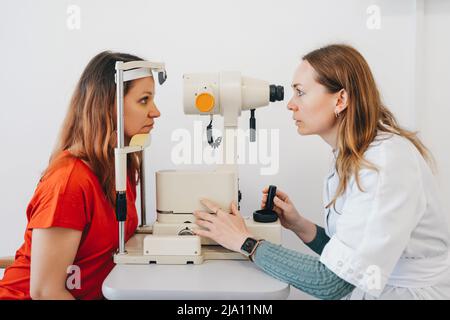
point(144, 100)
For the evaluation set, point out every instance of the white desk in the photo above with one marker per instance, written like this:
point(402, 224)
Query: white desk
point(214, 279)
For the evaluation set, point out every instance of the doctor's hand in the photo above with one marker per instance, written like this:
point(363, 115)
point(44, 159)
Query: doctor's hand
point(227, 229)
point(285, 209)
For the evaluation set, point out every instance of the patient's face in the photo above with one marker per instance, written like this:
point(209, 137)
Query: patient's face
point(312, 105)
point(140, 110)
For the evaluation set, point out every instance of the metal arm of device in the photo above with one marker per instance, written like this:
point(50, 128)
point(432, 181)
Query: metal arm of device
point(128, 71)
point(227, 94)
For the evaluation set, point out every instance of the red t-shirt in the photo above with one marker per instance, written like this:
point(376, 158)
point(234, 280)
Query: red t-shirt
point(71, 197)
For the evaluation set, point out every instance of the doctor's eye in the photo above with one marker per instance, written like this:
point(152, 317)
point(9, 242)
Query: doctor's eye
point(300, 93)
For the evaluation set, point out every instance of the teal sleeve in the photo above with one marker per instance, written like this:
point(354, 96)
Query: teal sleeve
point(319, 241)
point(302, 271)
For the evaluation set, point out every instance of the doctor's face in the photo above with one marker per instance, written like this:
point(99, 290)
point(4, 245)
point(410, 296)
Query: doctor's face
point(140, 110)
point(311, 104)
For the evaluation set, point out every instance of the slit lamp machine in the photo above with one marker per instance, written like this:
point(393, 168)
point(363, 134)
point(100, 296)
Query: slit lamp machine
point(171, 239)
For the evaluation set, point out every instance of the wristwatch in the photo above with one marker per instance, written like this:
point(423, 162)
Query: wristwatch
point(249, 247)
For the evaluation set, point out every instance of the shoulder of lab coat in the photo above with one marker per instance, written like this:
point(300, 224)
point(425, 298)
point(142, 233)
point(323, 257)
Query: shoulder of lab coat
point(376, 223)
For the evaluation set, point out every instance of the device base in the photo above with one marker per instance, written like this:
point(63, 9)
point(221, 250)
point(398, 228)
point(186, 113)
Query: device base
point(267, 231)
point(135, 250)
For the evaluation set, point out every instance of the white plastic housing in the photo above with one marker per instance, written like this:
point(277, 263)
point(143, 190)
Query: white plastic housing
point(249, 93)
point(179, 192)
point(165, 245)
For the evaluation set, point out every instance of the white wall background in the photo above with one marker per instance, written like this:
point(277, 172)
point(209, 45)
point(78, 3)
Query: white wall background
point(42, 59)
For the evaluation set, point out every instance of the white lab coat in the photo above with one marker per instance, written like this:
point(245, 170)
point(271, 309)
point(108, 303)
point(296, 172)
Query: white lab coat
point(392, 240)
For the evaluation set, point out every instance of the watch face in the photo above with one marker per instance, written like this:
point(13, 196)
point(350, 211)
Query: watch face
point(248, 245)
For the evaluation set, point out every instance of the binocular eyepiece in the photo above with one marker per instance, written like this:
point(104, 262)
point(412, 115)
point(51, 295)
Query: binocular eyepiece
point(276, 93)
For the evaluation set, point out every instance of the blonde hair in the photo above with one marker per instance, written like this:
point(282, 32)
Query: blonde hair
point(89, 128)
point(343, 67)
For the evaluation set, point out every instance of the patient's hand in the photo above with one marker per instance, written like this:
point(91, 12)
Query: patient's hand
point(226, 228)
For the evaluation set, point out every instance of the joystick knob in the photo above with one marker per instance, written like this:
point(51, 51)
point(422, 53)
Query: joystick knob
point(267, 214)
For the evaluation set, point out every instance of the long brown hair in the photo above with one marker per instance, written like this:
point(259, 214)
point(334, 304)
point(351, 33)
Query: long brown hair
point(343, 67)
point(89, 128)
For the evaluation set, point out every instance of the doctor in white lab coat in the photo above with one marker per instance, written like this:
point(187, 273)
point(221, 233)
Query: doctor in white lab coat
point(388, 232)
point(390, 241)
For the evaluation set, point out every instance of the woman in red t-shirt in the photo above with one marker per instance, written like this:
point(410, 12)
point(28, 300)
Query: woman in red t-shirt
point(71, 234)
